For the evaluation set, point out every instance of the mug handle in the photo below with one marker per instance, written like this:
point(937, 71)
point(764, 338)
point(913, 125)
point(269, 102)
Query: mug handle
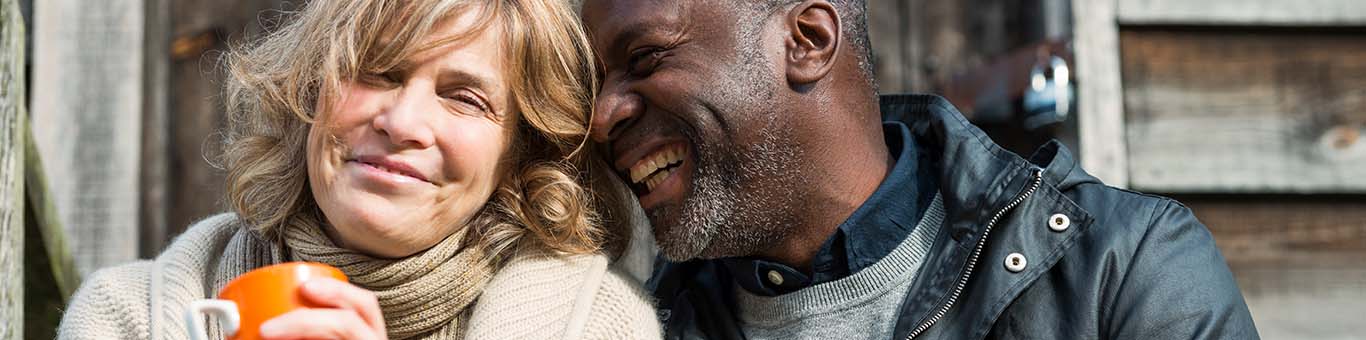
point(225, 310)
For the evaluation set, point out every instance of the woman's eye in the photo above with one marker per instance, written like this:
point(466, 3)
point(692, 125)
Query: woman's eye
point(644, 61)
point(380, 80)
point(470, 101)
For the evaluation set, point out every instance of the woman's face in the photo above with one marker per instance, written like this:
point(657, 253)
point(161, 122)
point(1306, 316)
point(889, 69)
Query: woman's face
point(403, 159)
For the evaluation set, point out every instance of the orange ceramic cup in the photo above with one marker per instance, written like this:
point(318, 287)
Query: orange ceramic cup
point(259, 295)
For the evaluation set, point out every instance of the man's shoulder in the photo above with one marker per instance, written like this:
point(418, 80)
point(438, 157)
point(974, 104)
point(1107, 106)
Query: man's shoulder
point(1118, 212)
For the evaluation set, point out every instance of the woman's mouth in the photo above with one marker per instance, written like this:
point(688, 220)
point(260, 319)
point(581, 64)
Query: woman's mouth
point(393, 167)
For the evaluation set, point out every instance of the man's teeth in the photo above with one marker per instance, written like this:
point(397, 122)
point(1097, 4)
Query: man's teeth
point(654, 181)
point(647, 168)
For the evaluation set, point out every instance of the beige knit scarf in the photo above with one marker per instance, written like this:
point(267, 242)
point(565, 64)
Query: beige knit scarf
point(426, 295)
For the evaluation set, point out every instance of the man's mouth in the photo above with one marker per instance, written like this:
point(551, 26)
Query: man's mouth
point(651, 171)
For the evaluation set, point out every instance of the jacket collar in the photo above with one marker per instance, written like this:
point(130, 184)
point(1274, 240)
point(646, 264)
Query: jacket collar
point(979, 179)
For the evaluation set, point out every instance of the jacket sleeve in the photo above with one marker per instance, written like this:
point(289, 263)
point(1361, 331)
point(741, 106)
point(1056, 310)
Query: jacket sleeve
point(1178, 285)
point(110, 304)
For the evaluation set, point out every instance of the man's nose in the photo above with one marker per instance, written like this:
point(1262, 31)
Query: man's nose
point(404, 123)
point(615, 110)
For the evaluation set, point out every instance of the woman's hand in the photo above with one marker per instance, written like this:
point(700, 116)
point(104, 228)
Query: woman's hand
point(348, 312)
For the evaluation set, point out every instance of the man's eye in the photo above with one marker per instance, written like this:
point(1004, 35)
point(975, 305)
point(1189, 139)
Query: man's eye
point(643, 62)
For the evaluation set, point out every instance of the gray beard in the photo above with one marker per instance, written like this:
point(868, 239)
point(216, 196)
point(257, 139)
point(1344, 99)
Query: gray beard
point(735, 207)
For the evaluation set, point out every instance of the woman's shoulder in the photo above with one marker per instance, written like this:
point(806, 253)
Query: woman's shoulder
point(564, 297)
point(622, 310)
point(113, 302)
point(208, 231)
point(110, 304)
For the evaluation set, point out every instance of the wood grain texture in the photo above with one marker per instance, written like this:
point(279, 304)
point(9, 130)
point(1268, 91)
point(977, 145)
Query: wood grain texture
point(87, 104)
point(1243, 12)
point(1262, 112)
point(200, 32)
point(1100, 111)
point(920, 44)
point(12, 124)
point(152, 179)
point(47, 223)
point(1298, 259)
point(890, 37)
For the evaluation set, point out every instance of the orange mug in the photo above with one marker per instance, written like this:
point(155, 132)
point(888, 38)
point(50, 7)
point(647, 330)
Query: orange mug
point(259, 295)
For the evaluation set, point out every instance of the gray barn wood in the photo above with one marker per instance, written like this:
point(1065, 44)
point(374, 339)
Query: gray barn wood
point(1227, 112)
point(1243, 12)
point(87, 104)
point(199, 34)
point(12, 124)
point(1100, 111)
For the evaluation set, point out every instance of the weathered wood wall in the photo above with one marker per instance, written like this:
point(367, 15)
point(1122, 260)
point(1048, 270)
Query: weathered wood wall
point(1298, 259)
point(919, 44)
point(87, 104)
point(1300, 13)
point(12, 124)
point(1261, 111)
point(926, 46)
point(199, 31)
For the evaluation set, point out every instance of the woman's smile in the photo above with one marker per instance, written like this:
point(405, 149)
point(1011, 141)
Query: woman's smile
point(387, 170)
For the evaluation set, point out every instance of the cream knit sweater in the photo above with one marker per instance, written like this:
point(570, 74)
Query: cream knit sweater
point(576, 297)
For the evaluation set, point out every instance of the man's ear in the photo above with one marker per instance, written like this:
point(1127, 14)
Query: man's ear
point(814, 29)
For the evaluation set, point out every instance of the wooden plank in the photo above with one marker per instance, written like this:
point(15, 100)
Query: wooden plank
point(888, 34)
point(1305, 303)
point(87, 99)
point(1243, 12)
point(12, 124)
point(59, 257)
point(152, 210)
point(1297, 259)
point(201, 29)
point(1223, 111)
point(1291, 230)
point(1100, 114)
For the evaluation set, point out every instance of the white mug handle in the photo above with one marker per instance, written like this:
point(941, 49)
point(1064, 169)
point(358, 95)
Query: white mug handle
point(225, 310)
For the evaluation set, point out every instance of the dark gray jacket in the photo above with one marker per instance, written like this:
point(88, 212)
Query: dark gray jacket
point(1123, 265)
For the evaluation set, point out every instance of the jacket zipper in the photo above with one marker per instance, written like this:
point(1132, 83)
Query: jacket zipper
point(976, 252)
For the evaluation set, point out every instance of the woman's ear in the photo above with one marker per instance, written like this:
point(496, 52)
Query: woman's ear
point(814, 30)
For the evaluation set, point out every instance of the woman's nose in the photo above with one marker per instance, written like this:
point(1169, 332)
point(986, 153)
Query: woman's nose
point(405, 122)
point(615, 110)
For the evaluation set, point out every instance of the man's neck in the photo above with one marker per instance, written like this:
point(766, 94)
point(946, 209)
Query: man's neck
point(843, 175)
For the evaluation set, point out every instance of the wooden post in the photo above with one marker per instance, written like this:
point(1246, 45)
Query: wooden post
point(87, 89)
point(155, 129)
point(12, 124)
point(1100, 96)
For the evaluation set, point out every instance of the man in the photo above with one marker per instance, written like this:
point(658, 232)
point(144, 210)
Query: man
point(752, 132)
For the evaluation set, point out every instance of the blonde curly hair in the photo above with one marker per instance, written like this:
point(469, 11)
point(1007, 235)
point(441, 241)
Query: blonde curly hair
point(557, 191)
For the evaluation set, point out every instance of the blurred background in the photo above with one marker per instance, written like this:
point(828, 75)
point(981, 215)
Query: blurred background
point(1251, 112)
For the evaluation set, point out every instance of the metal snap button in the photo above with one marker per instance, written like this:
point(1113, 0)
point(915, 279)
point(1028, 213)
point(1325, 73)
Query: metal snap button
point(1059, 222)
point(775, 277)
point(1016, 262)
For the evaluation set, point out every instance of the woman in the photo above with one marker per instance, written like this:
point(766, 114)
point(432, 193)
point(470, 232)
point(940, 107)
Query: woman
point(433, 150)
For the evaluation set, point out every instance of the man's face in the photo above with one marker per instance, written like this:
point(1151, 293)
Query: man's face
point(691, 114)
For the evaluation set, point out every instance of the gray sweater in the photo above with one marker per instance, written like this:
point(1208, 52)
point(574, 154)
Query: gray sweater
point(861, 306)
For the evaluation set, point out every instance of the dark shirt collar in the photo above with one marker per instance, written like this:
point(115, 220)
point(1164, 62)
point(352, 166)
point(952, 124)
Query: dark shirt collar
point(869, 234)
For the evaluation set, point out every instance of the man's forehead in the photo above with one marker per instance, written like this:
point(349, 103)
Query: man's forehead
point(603, 14)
